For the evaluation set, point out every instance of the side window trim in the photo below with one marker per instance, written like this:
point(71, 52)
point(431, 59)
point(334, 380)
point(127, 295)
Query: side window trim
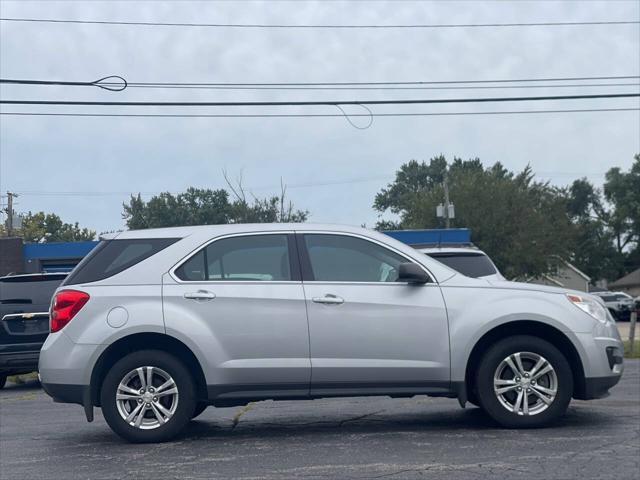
point(294, 258)
point(307, 270)
point(304, 259)
point(294, 262)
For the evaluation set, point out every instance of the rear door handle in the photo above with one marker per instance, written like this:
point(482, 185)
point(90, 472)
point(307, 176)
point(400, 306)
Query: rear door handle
point(328, 299)
point(200, 295)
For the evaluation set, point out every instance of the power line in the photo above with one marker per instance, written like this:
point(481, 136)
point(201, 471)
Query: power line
point(309, 115)
point(318, 102)
point(120, 86)
point(315, 84)
point(469, 87)
point(323, 26)
point(105, 83)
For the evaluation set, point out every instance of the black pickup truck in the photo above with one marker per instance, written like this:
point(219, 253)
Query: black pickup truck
point(24, 320)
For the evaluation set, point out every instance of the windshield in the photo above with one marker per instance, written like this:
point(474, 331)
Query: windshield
point(470, 264)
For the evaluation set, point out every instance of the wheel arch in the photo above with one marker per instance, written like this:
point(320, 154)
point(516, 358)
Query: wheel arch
point(526, 327)
point(140, 341)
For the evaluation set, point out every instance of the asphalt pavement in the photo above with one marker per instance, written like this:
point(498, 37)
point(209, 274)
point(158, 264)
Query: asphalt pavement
point(329, 438)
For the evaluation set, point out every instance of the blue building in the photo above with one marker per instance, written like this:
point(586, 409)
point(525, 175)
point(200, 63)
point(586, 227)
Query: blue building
point(54, 257)
point(459, 237)
point(19, 257)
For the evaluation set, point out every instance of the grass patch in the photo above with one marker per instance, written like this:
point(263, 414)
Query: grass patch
point(20, 379)
point(636, 349)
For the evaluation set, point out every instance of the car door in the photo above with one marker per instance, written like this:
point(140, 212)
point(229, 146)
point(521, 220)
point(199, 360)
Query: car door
point(369, 332)
point(239, 303)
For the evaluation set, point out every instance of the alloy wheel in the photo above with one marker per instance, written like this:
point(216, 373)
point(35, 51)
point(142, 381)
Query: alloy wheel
point(525, 383)
point(147, 397)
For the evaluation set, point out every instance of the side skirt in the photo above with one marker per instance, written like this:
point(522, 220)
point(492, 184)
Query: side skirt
point(241, 394)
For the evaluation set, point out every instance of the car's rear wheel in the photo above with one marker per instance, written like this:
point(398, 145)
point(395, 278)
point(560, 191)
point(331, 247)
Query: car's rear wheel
point(524, 381)
point(3, 381)
point(148, 396)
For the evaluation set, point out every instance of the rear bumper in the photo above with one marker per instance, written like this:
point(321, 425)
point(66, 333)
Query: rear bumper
point(79, 394)
point(19, 358)
point(62, 393)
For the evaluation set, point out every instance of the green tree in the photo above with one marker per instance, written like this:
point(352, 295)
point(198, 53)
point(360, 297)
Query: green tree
point(49, 227)
point(607, 223)
point(194, 207)
point(622, 192)
point(209, 207)
point(521, 224)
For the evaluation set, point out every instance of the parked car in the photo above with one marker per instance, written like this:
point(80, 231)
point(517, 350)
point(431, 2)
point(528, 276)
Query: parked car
point(469, 261)
point(24, 315)
point(620, 304)
point(154, 326)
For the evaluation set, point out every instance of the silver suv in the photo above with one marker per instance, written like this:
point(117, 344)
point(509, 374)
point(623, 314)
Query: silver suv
point(156, 325)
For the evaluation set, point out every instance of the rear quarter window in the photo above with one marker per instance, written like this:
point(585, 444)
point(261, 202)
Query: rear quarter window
point(114, 256)
point(472, 265)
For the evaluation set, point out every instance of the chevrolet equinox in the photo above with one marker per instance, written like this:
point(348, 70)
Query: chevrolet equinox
point(155, 325)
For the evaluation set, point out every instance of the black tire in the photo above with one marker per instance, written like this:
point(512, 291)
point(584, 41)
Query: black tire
point(3, 381)
point(186, 402)
point(491, 361)
point(200, 407)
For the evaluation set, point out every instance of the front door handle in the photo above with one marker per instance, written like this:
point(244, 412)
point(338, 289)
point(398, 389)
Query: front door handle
point(200, 295)
point(328, 299)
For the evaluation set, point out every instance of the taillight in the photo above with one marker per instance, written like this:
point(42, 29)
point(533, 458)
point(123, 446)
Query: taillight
point(66, 304)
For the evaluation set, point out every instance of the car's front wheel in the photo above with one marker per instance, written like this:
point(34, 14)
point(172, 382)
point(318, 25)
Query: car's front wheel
point(148, 396)
point(524, 381)
point(200, 408)
point(3, 381)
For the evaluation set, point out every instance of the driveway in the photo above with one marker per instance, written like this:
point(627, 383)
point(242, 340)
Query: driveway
point(332, 438)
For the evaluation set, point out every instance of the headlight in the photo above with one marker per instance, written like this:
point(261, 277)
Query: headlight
point(590, 306)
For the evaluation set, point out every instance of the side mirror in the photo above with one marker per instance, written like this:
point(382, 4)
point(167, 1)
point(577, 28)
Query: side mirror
point(412, 273)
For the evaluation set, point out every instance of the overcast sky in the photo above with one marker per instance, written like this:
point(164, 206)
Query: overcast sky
point(332, 169)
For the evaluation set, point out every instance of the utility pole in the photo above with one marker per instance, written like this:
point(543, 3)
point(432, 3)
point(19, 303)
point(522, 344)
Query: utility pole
point(10, 197)
point(446, 210)
point(447, 222)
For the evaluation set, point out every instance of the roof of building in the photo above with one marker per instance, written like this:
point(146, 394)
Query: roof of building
point(629, 280)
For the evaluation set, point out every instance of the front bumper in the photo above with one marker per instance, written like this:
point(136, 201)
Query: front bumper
point(602, 354)
point(598, 387)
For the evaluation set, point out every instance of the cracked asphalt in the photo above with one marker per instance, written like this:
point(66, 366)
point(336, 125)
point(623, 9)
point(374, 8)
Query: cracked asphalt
point(331, 438)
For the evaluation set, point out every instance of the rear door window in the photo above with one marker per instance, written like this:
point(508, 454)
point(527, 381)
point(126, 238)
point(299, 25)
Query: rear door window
point(467, 263)
point(114, 256)
point(251, 258)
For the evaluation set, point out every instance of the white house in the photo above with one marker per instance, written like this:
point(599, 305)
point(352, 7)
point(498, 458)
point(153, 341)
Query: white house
point(566, 276)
